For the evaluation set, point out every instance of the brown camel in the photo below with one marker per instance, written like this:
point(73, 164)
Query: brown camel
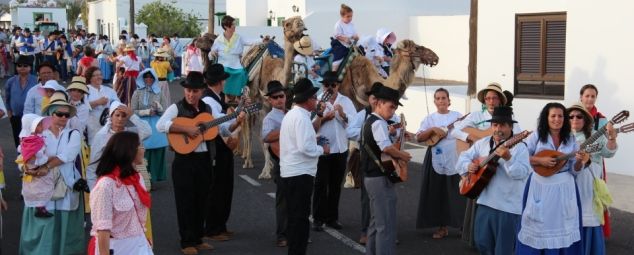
point(360, 74)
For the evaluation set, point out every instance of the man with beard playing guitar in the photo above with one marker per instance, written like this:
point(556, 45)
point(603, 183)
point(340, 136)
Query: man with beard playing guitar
point(500, 203)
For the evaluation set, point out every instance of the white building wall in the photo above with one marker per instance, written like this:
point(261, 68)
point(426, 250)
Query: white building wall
point(448, 37)
point(598, 51)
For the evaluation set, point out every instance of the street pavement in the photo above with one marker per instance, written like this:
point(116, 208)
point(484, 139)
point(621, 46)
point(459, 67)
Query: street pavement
point(253, 221)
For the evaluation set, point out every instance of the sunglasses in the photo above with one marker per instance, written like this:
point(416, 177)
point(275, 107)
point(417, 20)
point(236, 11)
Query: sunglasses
point(62, 114)
point(326, 85)
point(576, 117)
point(278, 96)
point(23, 65)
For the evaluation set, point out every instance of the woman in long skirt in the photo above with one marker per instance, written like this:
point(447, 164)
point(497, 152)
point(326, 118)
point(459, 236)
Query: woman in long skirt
point(149, 103)
point(132, 65)
point(440, 203)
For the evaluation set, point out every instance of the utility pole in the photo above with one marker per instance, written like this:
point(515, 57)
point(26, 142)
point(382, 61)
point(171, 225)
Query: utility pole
point(210, 20)
point(131, 24)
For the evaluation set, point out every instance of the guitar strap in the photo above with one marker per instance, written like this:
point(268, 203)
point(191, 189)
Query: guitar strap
point(374, 158)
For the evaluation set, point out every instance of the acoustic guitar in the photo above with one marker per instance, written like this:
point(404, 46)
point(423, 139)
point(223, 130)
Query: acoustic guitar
point(474, 183)
point(588, 146)
point(232, 140)
point(463, 146)
point(183, 143)
point(396, 169)
point(436, 138)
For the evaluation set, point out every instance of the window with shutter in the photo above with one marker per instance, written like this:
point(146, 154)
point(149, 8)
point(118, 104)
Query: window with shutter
point(540, 55)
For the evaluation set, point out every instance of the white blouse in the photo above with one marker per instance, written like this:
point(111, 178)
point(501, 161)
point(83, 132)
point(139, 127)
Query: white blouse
point(444, 154)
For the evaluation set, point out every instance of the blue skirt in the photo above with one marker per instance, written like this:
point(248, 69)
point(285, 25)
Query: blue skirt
point(236, 81)
point(574, 249)
point(106, 68)
point(593, 240)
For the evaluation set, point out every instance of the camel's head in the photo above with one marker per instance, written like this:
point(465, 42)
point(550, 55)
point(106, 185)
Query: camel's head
point(267, 38)
point(294, 28)
point(204, 42)
point(419, 54)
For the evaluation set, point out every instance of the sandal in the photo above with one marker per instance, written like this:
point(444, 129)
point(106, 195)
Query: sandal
point(440, 233)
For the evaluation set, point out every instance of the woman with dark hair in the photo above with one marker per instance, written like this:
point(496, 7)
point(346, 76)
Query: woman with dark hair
point(440, 203)
point(119, 200)
point(551, 213)
point(581, 122)
point(227, 49)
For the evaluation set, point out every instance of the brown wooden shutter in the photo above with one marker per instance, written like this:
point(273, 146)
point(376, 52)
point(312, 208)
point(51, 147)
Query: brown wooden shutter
point(540, 55)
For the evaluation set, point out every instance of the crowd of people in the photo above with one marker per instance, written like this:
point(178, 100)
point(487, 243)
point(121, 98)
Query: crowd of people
point(88, 140)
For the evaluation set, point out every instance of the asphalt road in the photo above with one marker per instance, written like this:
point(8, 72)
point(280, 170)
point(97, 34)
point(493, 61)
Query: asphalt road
point(253, 218)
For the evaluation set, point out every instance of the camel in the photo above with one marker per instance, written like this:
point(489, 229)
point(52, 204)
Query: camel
point(359, 75)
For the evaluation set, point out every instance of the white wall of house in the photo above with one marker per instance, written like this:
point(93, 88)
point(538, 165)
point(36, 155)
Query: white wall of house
point(598, 51)
point(448, 37)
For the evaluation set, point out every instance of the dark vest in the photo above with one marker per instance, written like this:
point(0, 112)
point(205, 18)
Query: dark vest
point(367, 163)
point(221, 146)
point(186, 110)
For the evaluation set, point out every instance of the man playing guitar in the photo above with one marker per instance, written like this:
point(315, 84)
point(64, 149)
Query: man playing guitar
point(191, 173)
point(221, 193)
point(473, 128)
point(500, 203)
point(271, 134)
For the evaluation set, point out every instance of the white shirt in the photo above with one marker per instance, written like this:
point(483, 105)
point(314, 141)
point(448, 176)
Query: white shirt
point(299, 151)
point(347, 30)
point(129, 64)
point(504, 191)
point(335, 129)
point(93, 124)
point(354, 126)
point(229, 57)
point(3, 108)
point(381, 133)
point(65, 148)
point(444, 154)
point(477, 119)
point(216, 108)
point(272, 121)
point(102, 137)
point(80, 120)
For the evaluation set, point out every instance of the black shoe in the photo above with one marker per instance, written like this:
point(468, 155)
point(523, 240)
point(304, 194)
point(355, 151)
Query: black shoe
point(334, 224)
point(318, 226)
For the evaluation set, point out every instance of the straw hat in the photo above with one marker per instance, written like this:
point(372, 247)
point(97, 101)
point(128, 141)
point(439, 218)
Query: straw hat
point(129, 47)
point(161, 53)
point(494, 86)
point(579, 107)
point(304, 46)
point(78, 83)
point(59, 98)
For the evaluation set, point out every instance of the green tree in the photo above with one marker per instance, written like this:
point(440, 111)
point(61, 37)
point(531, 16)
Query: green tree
point(73, 9)
point(165, 19)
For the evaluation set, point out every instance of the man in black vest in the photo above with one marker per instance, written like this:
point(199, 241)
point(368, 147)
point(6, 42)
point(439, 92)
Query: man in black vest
point(221, 192)
point(375, 139)
point(191, 173)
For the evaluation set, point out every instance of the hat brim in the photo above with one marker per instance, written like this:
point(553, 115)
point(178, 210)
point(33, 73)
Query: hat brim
point(73, 110)
point(501, 120)
point(304, 50)
point(161, 55)
point(215, 79)
point(483, 92)
point(79, 87)
point(389, 99)
point(298, 98)
point(275, 90)
point(582, 110)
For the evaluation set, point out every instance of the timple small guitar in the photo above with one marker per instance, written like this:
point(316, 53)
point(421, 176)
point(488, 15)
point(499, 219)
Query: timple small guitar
point(183, 143)
point(474, 183)
point(396, 169)
point(435, 137)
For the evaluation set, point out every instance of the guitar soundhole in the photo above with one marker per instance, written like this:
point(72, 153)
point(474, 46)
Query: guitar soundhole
point(186, 138)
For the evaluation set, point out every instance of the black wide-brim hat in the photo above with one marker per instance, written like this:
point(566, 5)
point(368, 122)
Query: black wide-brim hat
point(329, 77)
point(375, 88)
point(24, 60)
point(303, 90)
point(388, 94)
point(502, 114)
point(273, 87)
point(216, 73)
point(194, 80)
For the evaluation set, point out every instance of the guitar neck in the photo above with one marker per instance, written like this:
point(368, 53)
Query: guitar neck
point(593, 138)
point(221, 120)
